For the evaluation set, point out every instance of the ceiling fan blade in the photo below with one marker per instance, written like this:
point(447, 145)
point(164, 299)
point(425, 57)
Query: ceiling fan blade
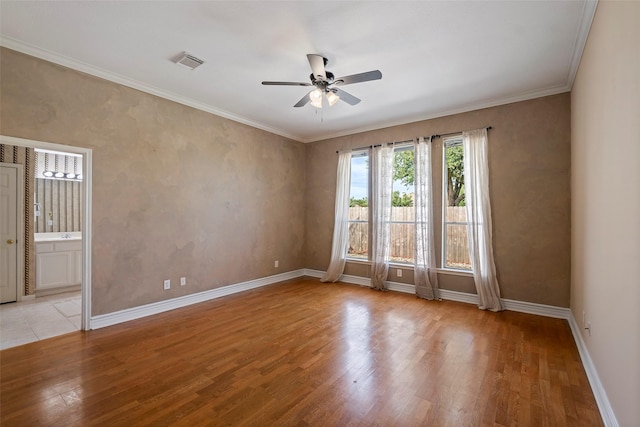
point(317, 65)
point(305, 99)
point(358, 78)
point(346, 97)
point(286, 84)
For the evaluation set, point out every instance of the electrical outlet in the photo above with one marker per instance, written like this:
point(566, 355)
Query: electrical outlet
point(183, 281)
point(399, 272)
point(167, 284)
point(275, 264)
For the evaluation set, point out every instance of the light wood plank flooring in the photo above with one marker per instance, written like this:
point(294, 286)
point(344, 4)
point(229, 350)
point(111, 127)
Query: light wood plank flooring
point(304, 353)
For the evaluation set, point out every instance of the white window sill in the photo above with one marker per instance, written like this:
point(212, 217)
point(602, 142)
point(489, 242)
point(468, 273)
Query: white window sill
point(358, 261)
point(448, 271)
point(452, 272)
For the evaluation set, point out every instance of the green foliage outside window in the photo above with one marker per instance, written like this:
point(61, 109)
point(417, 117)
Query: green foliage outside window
point(363, 202)
point(404, 171)
point(455, 176)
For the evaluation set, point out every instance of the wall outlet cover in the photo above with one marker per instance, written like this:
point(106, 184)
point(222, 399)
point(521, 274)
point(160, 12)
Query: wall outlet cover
point(167, 284)
point(183, 281)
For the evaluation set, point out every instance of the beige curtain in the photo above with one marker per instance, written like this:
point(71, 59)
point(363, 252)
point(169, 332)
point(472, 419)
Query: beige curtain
point(424, 273)
point(340, 242)
point(476, 182)
point(382, 187)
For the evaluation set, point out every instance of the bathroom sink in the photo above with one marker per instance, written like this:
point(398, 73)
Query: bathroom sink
point(48, 237)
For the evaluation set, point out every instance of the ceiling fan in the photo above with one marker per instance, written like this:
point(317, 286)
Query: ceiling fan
point(325, 84)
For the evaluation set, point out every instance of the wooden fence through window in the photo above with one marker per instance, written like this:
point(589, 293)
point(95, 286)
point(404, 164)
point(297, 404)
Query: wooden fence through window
point(402, 235)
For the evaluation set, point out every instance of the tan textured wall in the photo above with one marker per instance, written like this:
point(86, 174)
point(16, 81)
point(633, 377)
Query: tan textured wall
point(605, 116)
point(529, 161)
point(176, 191)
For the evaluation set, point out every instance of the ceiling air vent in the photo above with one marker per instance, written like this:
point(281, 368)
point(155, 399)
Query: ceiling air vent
point(189, 61)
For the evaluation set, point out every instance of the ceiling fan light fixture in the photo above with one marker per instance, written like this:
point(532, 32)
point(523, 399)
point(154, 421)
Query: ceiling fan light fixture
point(332, 98)
point(324, 81)
point(316, 98)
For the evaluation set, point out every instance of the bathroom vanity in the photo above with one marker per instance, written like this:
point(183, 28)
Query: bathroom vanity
point(58, 260)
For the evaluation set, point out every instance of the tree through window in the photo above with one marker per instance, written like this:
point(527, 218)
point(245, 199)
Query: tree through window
point(402, 225)
point(455, 244)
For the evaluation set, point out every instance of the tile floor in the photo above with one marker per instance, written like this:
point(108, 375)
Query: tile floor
point(44, 317)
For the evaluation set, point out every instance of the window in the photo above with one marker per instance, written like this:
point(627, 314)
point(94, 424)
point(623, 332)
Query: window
point(455, 245)
point(359, 207)
point(402, 224)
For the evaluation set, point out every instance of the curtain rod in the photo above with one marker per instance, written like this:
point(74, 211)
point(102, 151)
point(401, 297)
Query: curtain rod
point(455, 133)
point(410, 140)
point(380, 145)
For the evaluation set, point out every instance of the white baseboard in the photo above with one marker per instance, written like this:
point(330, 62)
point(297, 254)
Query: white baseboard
point(606, 411)
point(512, 305)
point(313, 273)
point(109, 319)
point(345, 278)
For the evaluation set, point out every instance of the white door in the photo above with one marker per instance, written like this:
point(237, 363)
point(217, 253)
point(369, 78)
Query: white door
point(8, 234)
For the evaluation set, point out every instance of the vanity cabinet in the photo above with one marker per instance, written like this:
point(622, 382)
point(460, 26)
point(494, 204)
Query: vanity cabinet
point(58, 264)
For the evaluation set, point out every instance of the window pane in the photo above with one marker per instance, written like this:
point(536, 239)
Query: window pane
point(403, 176)
point(401, 245)
point(457, 247)
point(454, 185)
point(402, 210)
point(359, 193)
point(455, 252)
point(359, 208)
point(358, 240)
point(456, 214)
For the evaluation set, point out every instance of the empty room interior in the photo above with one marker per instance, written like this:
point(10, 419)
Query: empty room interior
point(320, 213)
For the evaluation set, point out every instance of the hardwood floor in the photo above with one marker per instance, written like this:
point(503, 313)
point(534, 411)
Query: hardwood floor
point(305, 353)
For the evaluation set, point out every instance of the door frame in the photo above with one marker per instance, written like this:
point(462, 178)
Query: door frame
point(86, 153)
point(20, 228)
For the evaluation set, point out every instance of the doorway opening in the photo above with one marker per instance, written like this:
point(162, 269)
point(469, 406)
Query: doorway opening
point(53, 237)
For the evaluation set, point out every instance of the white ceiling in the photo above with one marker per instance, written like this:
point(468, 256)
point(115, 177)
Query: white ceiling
point(436, 57)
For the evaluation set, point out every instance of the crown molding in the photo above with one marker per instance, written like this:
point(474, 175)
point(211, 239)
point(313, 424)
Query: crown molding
point(588, 12)
point(65, 61)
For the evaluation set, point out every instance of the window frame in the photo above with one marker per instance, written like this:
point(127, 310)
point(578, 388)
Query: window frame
point(449, 141)
point(362, 153)
point(366, 153)
point(409, 146)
